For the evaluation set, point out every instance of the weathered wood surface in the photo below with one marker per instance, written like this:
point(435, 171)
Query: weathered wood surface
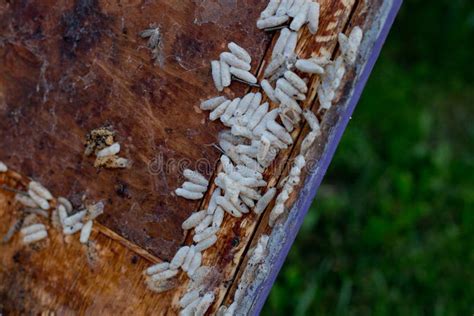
point(74, 66)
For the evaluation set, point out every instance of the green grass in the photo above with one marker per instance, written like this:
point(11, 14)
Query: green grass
point(391, 231)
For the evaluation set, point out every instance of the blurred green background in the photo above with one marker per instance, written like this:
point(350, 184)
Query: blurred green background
point(391, 231)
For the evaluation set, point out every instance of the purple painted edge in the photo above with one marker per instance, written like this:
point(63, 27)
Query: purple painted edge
point(315, 179)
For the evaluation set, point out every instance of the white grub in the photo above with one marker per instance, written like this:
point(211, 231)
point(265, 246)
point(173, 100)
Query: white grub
point(193, 187)
point(216, 74)
point(34, 237)
point(309, 66)
point(218, 217)
point(282, 8)
point(270, 9)
point(3, 167)
point(167, 274)
point(248, 173)
point(269, 91)
point(206, 243)
point(25, 200)
point(289, 90)
point(41, 202)
point(257, 116)
point(350, 45)
point(211, 208)
point(262, 125)
point(281, 43)
point(228, 206)
point(195, 263)
point(62, 213)
point(248, 182)
point(254, 104)
point(274, 65)
point(194, 220)
point(229, 112)
point(296, 81)
point(243, 75)
point(279, 131)
point(234, 61)
point(109, 151)
point(247, 201)
point(217, 112)
point(40, 190)
point(287, 122)
point(295, 8)
point(205, 234)
point(251, 163)
point(188, 298)
point(312, 120)
point(195, 177)
point(227, 135)
point(244, 104)
point(313, 17)
point(206, 222)
point(271, 21)
point(265, 200)
point(32, 229)
point(179, 257)
point(94, 210)
point(189, 257)
point(249, 150)
point(301, 17)
point(308, 141)
point(204, 304)
point(154, 36)
point(275, 213)
point(263, 148)
point(75, 218)
point(239, 52)
point(225, 74)
point(212, 103)
point(189, 310)
point(67, 204)
point(86, 232)
point(157, 268)
point(290, 47)
point(160, 286)
point(227, 165)
point(275, 142)
point(70, 230)
point(241, 131)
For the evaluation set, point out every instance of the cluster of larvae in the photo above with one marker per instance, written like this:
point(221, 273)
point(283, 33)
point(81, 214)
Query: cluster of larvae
point(101, 143)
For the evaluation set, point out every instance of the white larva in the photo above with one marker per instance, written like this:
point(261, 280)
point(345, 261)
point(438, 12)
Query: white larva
point(296, 81)
point(268, 89)
point(188, 259)
point(264, 201)
point(194, 220)
point(254, 104)
point(279, 132)
point(275, 213)
point(244, 105)
point(274, 140)
point(248, 182)
point(204, 304)
point(193, 187)
point(206, 222)
point(239, 52)
point(290, 46)
point(308, 66)
point(189, 310)
point(308, 141)
point(355, 38)
point(227, 165)
point(188, 298)
point(295, 8)
point(165, 275)
point(251, 163)
point(270, 9)
point(211, 208)
point(75, 218)
point(257, 116)
point(272, 153)
point(280, 43)
point(188, 194)
point(249, 192)
point(243, 75)
point(25, 200)
point(225, 74)
point(247, 201)
point(195, 263)
point(212, 103)
point(86, 232)
point(227, 135)
point(289, 90)
point(287, 122)
point(300, 161)
point(216, 74)
point(242, 131)
point(301, 17)
point(95, 210)
point(229, 112)
point(262, 125)
point(234, 61)
point(62, 214)
point(195, 177)
point(41, 202)
point(67, 204)
point(251, 151)
point(217, 112)
point(3, 167)
point(205, 234)
point(241, 207)
point(179, 257)
point(206, 243)
point(312, 120)
point(228, 206)
point(282, 8)
point(218, 217)
point(70, 230)
point(39, 235)
point(271, 21)
point(263, 148)
point(248, 173)
point(40, 190)
point(313, 17)
point(109, 150)
point(274, 65)
point(157, 268)
point(32, 229)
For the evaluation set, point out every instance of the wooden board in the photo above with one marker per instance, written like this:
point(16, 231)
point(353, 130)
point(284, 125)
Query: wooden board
point(74, 66)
